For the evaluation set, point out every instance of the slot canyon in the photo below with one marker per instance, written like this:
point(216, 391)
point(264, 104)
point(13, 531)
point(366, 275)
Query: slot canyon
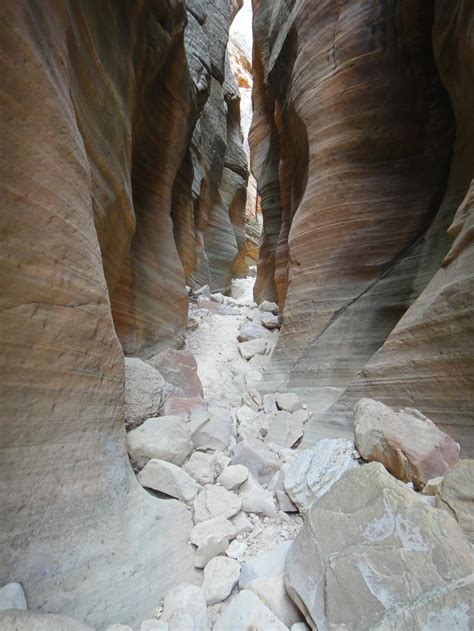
point(237, 322)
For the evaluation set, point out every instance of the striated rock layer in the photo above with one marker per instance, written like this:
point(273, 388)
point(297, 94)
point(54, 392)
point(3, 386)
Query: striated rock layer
point(360, 174)
point(99, 231)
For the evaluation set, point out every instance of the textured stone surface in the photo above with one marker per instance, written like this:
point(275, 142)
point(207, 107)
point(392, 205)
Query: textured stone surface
point(144, 391)
point(179, 369)
point(255, 499)
point(165, 438)
point(272, 592)
point(217, 526)
point(359, 187)
point(257, 457)
point(215, 501)
point(221, 575)
point(15, 620)
point(245, 612)
point(184, 608)
point(456, 496)
point(406, 442)
point(167, 478)
point(363, 543)
point(266, 564)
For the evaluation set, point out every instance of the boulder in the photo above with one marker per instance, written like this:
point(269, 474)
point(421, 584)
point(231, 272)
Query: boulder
point(255, 347)
point(201, 467)
point(278, 485)
point(212, 546)
point(12, 596)
point(432, 486)
point(242, 524)
point(193, 410)
point(216, 432)
point(268, 563)
point(257, 457)
point(215, 501)
point(288, 401)
point(253, 399)
point(284, 429)
point(144, 391)
point(456, 496)
point(313, 471)
point(407, 443)
point(184, 609)
point(221, 575)
point(252, 332)
point(268, 307)
point(179, 370)
point(372, 555)
point(19, 620)
point(270, 321)
point(272, 591)
point(167, 478)
point(216, 527)
point(269, 403)
point(164, 438)
point(256, 499)
point(233, 476)
point(237, 550)
point(246, 611)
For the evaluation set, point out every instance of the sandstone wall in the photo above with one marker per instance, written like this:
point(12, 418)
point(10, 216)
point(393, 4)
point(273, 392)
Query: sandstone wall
point(99, 231)
point(353, 149)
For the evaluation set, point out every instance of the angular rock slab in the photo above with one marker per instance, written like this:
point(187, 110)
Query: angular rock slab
point(372, 553)
point(264, 565)
point(272, 592)
point(215, 501)
point(216, 527)
point(221, 575)
point(257, 457)
point(285, 429)
point(313, 471)
point(407, 443)
point(179, 370)
point(246, 611)
point(167, 478)
point(184, 608)
point(164, 438)
point(456, 496)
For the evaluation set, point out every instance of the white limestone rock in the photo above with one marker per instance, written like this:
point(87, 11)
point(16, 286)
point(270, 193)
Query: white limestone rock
point(212, 546)
point(167, 478)
point(271, 590)
point(144, 391)
point(233, 476)
point(284, 429)
point(253, 399)
point(288, 401)
point(201, 467)
point(184, 609)
point(257, 457)
point(215, 501)
point(268, 307)
point(164, 438)
point(278, 485)
point(12, 596)
point(154, 625)
point(237, 550)
point(269, 403)
point(313, 471)
point(256, 499)
point(252, 332)
point(216, 527)
point(255, 347)
point(221, 575)
point(216, 432)
point(246, 611)
point(242, 524)
point(270, 321)
point(264, 565)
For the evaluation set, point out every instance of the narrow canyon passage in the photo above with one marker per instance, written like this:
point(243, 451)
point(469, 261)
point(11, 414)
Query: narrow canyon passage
point(236, 318)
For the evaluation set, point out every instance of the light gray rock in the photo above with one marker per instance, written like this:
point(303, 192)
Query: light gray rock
point(300, 626)
point(237, 550)
point(20, 620)
point(264, 565)
point(255, 347)
point(221, 461)
point(278, 485)
point(284, 429)
point(119, 627)
point(12, 596)
point(269, 403)
point(253, 400)
point(217, 527)
point(252, 425)
point(184, 609)
point(216, 432)
point(203, 292)
point(252, 332)
point(407, 443)
point(256, 499)
point(242, 524)
point(144, 391)
point(456, 496)
point(257, 457)
point(372, 555)
point(233, 476)
point(313, 471)
point(201, 467)
point(212, 546)
point(272, 592)
point(164, 438)
point(167, 478)
point(246, 611)
point(154, 625)
point(270, 321)
point(215, 501)
point(432, 486)
point(288, 401)
point(221, 575)
point(268, 307)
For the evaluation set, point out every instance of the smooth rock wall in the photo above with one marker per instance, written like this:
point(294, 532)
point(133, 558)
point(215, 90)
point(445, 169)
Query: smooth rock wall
point(97, 233)
point(360, 174)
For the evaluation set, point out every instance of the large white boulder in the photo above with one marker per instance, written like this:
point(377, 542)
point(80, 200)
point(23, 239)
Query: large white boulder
point(217, 527)
point(221, 575)
point(257, 457)
point(165, 438)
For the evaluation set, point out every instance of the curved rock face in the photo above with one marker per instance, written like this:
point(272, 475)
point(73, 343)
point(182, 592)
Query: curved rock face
point(353, 151)
point(98, 234)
